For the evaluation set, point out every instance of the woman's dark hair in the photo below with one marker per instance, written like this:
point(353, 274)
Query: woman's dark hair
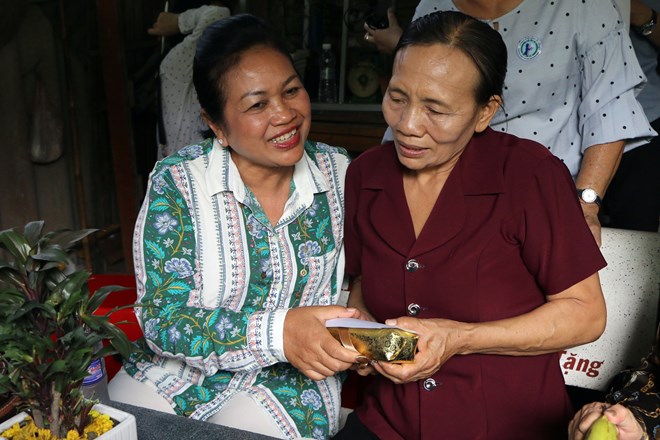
point(476, 39)
point(219, 50)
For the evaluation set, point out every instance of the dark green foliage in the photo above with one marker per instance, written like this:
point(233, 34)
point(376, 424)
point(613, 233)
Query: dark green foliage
point(48, 332)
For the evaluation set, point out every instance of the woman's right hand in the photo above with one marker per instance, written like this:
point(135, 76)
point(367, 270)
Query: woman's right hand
point(626, 424)
point(309, 346)
point(385, 39)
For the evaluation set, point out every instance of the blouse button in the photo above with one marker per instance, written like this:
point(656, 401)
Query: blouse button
point(412, 265)
point(429, 384)
point(413, 309)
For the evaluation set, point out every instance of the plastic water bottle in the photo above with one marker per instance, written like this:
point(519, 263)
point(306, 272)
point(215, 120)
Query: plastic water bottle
point(328, 76)
point(95, 385)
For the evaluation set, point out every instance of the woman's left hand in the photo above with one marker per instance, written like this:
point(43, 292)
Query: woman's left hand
point(439, 340)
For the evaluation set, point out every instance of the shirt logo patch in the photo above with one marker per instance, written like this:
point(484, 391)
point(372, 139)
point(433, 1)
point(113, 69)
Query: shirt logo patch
point(528, 48)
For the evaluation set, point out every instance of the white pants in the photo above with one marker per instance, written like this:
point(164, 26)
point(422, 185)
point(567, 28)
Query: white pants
point(240, 412)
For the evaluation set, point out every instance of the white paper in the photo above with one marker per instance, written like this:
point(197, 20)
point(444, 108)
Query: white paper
point(357, 323)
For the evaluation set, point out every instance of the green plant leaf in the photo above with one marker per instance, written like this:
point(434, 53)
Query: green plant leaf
point(33, 309)
point(53, 254)
point(17, 246)
point(58, 366)
point(32, 231)
point(118, 339)
point(67, 239)
point(101, 294)
point(10, 298)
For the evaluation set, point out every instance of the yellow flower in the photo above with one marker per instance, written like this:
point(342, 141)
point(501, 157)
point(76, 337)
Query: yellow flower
point(27, 430)
point(72, 435)
point(100, 423)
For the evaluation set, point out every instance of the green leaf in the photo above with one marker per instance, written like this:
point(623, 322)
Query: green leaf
point(32, 231)
point(177, 287)
point(54, 254)
point(35, 309)
point(17, 246)
point(156, 279)
point(66, 239)
point(118, 339)
point(323, 225)
point(296, 413)
point(11, 298)
point(155, 249)
point(286, 391)
point(101, 294)
point(319, 419)
point(12, 277)
point(58, 366)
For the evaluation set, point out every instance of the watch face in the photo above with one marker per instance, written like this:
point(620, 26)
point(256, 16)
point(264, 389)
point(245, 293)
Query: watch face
point(589, 195)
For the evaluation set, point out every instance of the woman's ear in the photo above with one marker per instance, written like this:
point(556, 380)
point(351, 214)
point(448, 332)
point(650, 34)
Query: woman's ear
point(217, 131)
point(487, 112)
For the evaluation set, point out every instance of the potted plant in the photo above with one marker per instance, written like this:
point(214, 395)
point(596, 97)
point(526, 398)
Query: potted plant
point(48, 331)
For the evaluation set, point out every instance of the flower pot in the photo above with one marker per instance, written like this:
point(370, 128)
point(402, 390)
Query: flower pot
point(125, 429)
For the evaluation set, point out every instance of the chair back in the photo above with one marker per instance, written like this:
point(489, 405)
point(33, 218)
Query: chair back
point(124, 319)
point(631, 286)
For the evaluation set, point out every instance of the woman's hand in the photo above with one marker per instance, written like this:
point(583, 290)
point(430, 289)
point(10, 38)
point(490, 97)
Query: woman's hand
point(385, 39)
point(310, 347)
point(439, 340)
point(167, 24)
point(628, 428)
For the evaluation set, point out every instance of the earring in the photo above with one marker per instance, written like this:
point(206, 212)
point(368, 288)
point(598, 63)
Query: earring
point(220, 141)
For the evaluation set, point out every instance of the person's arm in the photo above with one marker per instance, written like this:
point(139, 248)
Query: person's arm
point(573, 317)
point(599, 164)
point(169, 23)
point(641, 14)
point(166, 24)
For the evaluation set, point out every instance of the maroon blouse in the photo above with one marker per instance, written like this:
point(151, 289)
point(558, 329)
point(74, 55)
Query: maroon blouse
point(506, 230)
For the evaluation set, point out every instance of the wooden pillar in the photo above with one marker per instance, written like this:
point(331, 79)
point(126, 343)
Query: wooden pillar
point(119, 121)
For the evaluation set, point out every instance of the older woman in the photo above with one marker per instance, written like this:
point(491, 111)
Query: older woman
point(473, 239)
point(235, 236)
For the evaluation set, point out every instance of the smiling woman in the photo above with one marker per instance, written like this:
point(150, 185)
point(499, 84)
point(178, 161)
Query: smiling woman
point(236, 235)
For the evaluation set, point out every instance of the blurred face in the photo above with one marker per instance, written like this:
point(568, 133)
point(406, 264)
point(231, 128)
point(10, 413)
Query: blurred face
point(267, 113)
point(430, 106)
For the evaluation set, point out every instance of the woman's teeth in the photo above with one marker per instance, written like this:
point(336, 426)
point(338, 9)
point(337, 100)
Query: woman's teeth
point(285, 137)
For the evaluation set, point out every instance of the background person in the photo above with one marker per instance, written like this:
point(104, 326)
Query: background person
point(572, 80)
point(473, 239)
point(181, 121)
point(633, 198)
point(239, 246)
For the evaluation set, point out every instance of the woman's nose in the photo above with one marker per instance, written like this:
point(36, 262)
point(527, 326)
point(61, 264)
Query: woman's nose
point(410, 122)
point(282, 113)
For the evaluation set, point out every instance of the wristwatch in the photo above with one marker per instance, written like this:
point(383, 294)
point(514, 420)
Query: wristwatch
point(648, 27)
point(588, 195)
